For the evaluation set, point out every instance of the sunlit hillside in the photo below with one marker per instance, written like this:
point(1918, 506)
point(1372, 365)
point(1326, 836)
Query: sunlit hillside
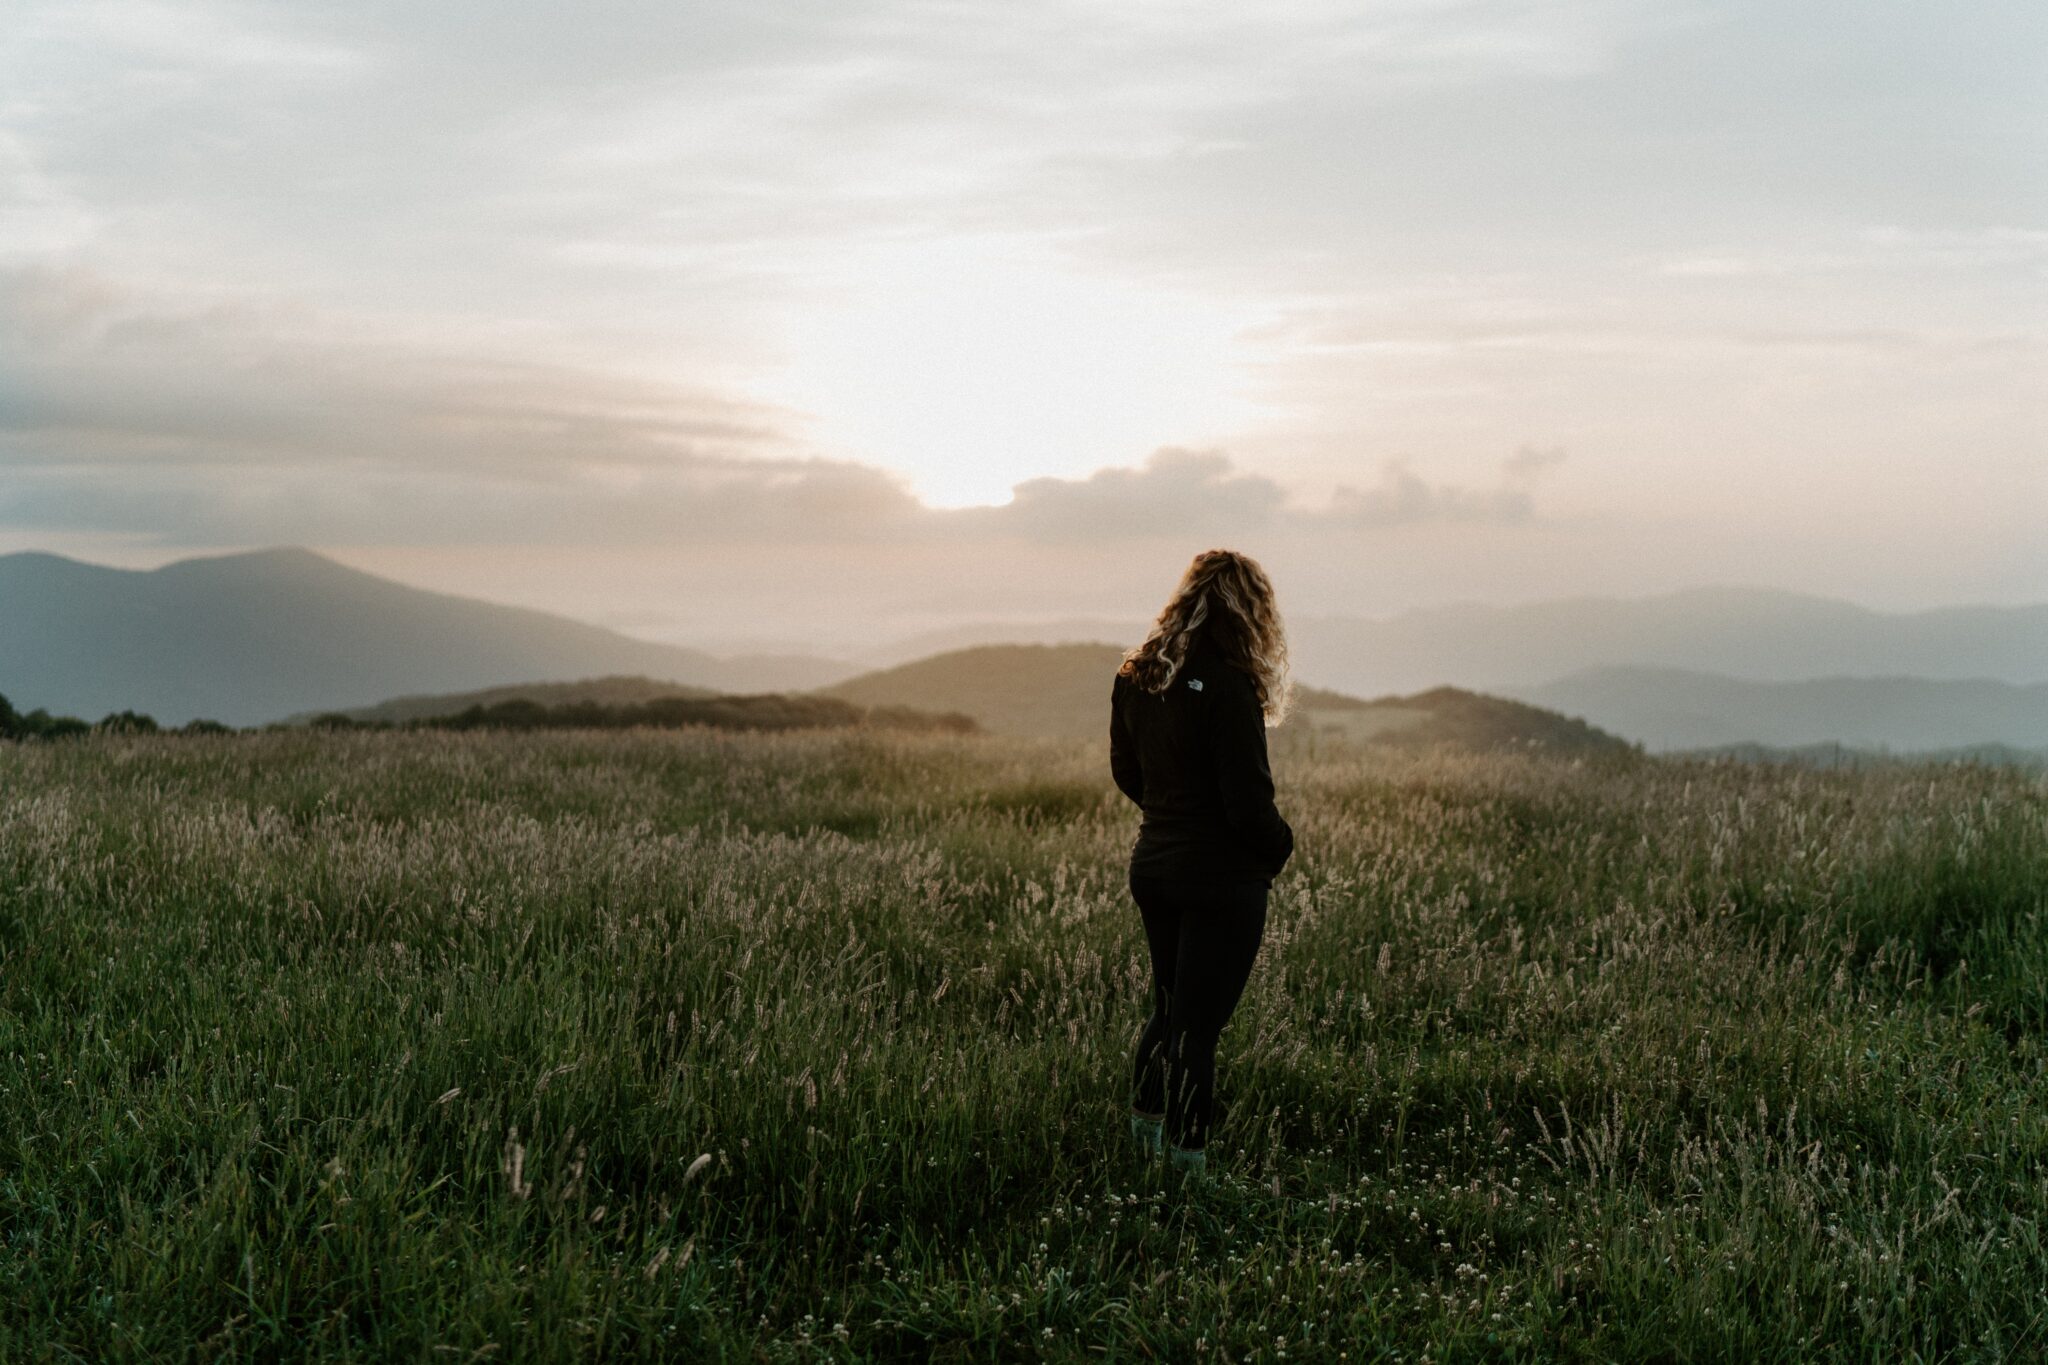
point(1062, 692)
point(1038, 690)
point(610, 691)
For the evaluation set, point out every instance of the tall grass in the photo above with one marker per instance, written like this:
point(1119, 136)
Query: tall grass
point(813, 1046)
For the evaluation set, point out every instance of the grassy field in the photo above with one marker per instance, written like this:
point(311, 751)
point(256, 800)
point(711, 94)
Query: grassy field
point(813, 1046)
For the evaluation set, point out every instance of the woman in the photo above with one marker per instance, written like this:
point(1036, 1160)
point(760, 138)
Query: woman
point(1187, 742)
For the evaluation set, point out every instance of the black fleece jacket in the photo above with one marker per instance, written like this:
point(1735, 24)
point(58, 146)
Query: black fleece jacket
point(1194, 759)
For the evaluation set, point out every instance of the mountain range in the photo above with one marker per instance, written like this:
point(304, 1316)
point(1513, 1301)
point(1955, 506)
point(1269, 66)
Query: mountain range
point(1756, 633)
point(1704, 668)
point(249, 638)
point(256, 637)
point(1762, 635)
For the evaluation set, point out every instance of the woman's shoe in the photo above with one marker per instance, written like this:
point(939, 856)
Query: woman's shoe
point(1193, 1160)
point(1148, 1133)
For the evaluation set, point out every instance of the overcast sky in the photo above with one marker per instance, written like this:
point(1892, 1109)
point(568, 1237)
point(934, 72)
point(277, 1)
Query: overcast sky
point(763, 320)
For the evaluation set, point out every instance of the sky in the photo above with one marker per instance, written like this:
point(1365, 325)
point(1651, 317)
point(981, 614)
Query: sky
point(758, 323)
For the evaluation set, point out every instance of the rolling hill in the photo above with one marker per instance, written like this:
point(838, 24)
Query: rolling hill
point(248, 638)
point(971, 634)
point(1048, 691)
point(1475, 720)
point(613, 691)
point(1062, 692)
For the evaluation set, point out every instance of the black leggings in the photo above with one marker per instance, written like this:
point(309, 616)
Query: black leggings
point(1203, 938)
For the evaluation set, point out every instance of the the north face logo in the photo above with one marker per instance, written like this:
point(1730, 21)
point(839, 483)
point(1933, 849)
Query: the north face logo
point(1194, 684)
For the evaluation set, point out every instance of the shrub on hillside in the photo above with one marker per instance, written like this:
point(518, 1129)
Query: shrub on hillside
point(40, 724)
point(767, 711)
point(341, 720)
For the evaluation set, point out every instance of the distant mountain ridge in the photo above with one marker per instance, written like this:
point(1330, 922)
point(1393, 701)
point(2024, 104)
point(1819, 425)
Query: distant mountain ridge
point(1678, 709)
point(1762, 634)
point(254, 637)
point(1756, 634)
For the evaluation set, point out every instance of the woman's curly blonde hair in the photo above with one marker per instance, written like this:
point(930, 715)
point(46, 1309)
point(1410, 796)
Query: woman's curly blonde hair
point(1227, 596)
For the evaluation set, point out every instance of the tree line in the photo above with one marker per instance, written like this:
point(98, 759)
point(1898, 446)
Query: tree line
point(770, 711)
point(766, 711)
point(40, 724)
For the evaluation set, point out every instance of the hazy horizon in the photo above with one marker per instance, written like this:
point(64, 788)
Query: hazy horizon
point(1030, 628)
point(724, 323)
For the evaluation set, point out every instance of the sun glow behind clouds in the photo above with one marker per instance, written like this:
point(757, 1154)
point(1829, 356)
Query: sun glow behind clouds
point(970, 366)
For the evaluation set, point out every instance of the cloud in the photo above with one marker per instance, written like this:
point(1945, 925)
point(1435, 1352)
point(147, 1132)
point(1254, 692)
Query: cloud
point(37, 216)
point(214, 422)
point(1175, 492)
point(698, 504)
point(1531, 462)
point(1099, 125)
point(97, 373)
point(715, 140)
point(193, 36)
point(1994, 246)
point(1402, 497)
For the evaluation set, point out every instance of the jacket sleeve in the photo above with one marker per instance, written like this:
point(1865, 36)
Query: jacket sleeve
point(1123, 752)
point(1244, 774)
